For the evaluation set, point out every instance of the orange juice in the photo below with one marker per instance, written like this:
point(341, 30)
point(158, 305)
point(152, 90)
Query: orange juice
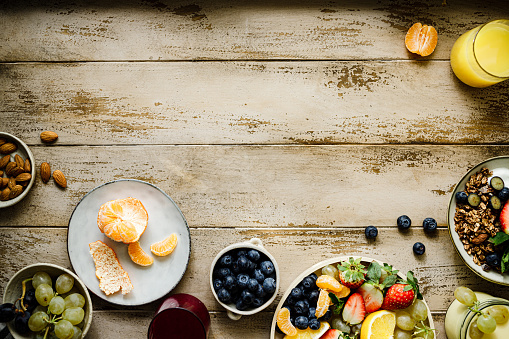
point(480, 57)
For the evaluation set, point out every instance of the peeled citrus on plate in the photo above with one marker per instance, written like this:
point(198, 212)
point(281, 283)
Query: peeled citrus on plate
point(123, 220)
point(329, 283)
point(138, 255)
point(379, 325)
point(421, 39)
point(323, 303)
point(309, 333)
point(165, 246)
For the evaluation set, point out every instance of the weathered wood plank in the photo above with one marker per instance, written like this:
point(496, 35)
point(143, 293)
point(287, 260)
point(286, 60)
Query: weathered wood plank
point(225, 29)
point(439, 271)
point(250, 103)
point(262, 186)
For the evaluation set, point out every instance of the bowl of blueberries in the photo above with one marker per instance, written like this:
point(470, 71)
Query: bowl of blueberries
point(244, 278)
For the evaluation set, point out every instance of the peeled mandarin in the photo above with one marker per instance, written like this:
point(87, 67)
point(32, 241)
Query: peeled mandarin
point(421, 39)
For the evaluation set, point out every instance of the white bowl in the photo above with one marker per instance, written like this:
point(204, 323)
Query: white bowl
point(317, 270)
point(256, 244)
point(25, 153)
point(13, 291)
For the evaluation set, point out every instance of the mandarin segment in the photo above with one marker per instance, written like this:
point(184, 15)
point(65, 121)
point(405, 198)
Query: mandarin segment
point(330, 283)
point(138, 255)
point(323, 303)
point(343, 293)
point(284, 323)
point(164, 247)
point(123, 220)
point(421, 39)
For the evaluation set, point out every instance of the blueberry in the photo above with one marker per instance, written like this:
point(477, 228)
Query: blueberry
point(313, 276)
point(308, 283)
point(495, 203)
point(259, 292)
point(252, 266)
point(258, 275)
point(503, 194)
point(371, 232)
point(301, 322)
point(253, 255)
point(267, 267)
point(474, 200)
point(419, 248)
point(226, 260)
point(230, 283)
point(306, 302)
point(257, 302)
point(314, 324)
point(311, 313)
point(404, 222)
point(223, 273)
point(218, 284)
point(296, 293)
point(290, 301)
point(269, 285)
point(224, 296)
point(429, 224)
point(313, 296)
point(247, 297)
point(235, 267)
point(493, 259)
point(326, 316)
point(242, 280)
point(300, 307)
point(461, 197)
point(253, 285)
point(243, 263)
point(241, 253)
point(240, 305)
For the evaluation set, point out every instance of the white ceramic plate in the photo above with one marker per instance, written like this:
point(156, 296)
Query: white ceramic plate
point(500, 167)
point(164, 218)
point(317, 268)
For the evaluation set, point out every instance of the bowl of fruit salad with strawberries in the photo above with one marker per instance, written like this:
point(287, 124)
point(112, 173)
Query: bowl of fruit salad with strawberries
point(353, 298)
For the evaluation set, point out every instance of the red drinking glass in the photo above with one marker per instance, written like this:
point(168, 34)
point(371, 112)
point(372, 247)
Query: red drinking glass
point(180, 316)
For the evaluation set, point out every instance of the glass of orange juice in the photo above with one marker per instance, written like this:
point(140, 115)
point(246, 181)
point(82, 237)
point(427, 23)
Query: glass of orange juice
point(480, 57)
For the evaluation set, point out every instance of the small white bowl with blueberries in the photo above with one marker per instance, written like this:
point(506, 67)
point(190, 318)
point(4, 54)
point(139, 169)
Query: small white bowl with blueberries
point(244, 278)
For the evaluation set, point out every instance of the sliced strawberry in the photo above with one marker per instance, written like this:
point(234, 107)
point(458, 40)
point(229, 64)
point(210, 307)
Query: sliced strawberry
point(504, 218)
point(331, 334)
point(398, 296)
point(372, 295)
point(354, 310)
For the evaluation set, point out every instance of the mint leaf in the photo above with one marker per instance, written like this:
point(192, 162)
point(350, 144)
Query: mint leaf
point(338, 303)
point(499, 238)
point(374, 272)
point(389, 281)
point(505, 260)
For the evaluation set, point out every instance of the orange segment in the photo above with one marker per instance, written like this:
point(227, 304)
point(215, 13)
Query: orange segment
point(343, 293)
point(329, 283)
point(138, 255)
point(284, 323)
point(165, 246)
point(421, 39)
point(123, 220)
point(323, 303)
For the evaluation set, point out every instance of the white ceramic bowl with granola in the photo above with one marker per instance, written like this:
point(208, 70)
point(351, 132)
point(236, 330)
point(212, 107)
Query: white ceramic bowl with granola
point(470, 226)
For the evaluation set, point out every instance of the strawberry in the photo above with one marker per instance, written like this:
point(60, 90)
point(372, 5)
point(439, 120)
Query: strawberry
point(354, 310)
point(402, 295)
point(372, 295)
point(504, 218)
point(331, 334)
point(352, 273)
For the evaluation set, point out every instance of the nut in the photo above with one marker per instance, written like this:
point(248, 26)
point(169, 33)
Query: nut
point(10, 166)
point(3, 182)
point(11, 183)
point(19, 160)
point(23, 177)
point(15, 191)
point(45, 172)
point(8, 148)
point(2, 141)
point(17, 171)
point(1, 173)
point(4, 195)
point(4, 161)
point(59, 178)
point(27, 166)
point(48, 136)
point(479, 239)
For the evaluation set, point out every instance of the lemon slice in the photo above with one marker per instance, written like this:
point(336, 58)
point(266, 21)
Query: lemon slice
point(309, 333)
point(379, 325)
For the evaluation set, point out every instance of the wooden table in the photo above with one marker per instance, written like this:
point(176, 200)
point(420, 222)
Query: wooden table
point(298, 123)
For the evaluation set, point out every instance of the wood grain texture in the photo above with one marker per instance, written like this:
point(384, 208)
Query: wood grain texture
point(262, 186)
point(225, 29)
point(250, 103)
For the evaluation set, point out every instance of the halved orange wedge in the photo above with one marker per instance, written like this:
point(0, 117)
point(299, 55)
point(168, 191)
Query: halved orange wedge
point(284, 323)
point(421, 39)
point(123, 220)
point(165, 246)
point(323, 303)
point(138, 255)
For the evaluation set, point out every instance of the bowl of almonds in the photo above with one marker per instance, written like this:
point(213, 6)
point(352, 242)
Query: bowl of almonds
point(17, 170)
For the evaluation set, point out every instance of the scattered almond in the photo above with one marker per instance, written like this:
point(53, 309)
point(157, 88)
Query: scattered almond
point(45, 172)
point(59, 178)
point(3, 182)
point(24, 177)
point(27, 166)
point(15, 191)
point(4, 161)
point(10, 166)
point(4, 195)
point(8, 148)
point(48, 136)
point(19, 160)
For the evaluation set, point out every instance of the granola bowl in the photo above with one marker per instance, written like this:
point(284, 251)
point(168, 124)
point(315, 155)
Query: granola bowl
point(471, 228)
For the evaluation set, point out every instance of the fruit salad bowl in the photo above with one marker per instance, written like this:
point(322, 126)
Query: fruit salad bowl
point(14, 290)
point(325, 327)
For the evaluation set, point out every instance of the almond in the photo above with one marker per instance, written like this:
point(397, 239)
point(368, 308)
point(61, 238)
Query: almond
point(59, 178)
point(23, 177)
point(11, 183)
point(19, 160)
point(48, 136)
point(17, 171)
point(8, 148)
point(4, 161)
point(1, 174)
point(10, 166)
point(15, 191)
point(2, 141)
point(27, 167)
point(3, 182)
point(45, 172)
point(4, 195)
